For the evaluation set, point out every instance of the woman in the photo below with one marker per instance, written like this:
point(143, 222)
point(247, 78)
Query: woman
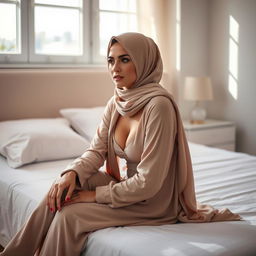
point(142, 124)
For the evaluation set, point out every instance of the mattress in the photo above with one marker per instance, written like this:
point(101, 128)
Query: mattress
point(222, 179)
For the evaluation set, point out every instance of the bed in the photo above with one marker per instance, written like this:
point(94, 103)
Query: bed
point(222, 178)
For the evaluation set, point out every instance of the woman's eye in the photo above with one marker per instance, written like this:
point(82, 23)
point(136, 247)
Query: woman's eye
point(125, 60)
point(110, 61)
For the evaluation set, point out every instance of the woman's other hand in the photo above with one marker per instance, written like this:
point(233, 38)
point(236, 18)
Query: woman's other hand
point(66, 182)
point(82, 196)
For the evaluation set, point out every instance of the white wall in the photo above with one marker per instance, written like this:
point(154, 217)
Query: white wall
point(205, 39)
point(240, 109)
point(194, 45)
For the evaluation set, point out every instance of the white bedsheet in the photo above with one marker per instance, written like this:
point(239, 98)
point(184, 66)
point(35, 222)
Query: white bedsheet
point(222, 179)
point(227, 239)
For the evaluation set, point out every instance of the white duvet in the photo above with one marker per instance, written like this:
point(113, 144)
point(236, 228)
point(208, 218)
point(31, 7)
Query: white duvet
point(222, 179)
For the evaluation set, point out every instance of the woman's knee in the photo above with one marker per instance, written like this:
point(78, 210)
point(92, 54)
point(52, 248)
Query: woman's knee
point(42, 205)
point(64, 216)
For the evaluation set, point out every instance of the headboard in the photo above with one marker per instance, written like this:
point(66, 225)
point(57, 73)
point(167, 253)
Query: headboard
point(38, 93)
point(31, 93)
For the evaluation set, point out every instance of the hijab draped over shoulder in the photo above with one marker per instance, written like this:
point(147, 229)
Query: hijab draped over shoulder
point(149, 68)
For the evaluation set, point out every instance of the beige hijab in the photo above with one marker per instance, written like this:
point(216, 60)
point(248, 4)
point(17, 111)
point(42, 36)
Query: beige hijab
point(148, 63)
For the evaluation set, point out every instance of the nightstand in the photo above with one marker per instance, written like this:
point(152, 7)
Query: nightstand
point(214, 133)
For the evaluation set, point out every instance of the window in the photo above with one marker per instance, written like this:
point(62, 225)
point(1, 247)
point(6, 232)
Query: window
point(56, 29)
point(10, 27)
point(12, 45)
point(57, 32)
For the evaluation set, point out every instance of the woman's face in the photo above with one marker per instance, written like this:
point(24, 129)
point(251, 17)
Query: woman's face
point(121, 67)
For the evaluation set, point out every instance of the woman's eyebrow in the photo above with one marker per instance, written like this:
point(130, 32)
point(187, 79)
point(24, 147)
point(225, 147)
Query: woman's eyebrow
point(120, 56)
point(123, 55)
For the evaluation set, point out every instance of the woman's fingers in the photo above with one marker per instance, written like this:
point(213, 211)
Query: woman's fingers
point(75, 198)
point(61, 188)
point(56, 193)
point(48, 195)
point(70, 192)
point(52, 202)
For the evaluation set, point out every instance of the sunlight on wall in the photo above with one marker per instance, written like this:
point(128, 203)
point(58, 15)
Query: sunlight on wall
point(233, 57)
point(178, 31)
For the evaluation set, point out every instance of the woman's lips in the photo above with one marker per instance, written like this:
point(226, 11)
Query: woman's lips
point(118, 78)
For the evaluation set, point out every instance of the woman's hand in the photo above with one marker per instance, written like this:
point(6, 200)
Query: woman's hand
point(83, 196)
point(66, 182)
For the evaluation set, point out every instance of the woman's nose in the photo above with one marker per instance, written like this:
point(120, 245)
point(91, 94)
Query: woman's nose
point(116, 67)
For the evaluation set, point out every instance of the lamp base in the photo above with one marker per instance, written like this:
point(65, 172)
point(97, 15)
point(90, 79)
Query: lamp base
point(197, 121)
point(198, 114)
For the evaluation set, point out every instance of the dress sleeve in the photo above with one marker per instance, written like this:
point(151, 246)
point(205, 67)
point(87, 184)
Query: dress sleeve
point(93, 158)
point(160, 133)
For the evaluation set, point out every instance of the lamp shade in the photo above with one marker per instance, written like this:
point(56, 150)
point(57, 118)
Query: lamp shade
point(198, 88)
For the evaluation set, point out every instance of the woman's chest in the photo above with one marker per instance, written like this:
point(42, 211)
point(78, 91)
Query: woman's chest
point(126, 129)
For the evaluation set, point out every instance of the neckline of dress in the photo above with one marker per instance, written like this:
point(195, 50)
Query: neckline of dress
point(134, 135)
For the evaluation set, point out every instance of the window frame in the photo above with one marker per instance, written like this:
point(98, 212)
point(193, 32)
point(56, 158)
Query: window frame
point(51, 58)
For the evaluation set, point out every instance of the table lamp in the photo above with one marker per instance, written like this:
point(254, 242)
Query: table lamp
point(198, 89)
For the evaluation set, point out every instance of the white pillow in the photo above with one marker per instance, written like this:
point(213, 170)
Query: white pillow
point(31, 140)
point(84, 120)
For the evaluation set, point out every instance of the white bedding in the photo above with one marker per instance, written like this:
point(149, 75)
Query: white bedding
point(222, 179)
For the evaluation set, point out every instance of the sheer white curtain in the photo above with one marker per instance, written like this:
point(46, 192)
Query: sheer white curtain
point(157, 19)
point(152, 17)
